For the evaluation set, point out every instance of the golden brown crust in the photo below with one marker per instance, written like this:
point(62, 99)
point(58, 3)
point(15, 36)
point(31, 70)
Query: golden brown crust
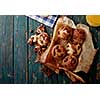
point(65, 32)
point(58, 52)
point(43, 39)
point(70, 62)
point(79, 36)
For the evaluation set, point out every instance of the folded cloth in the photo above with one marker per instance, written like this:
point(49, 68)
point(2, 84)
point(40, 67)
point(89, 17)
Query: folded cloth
point(49, 20)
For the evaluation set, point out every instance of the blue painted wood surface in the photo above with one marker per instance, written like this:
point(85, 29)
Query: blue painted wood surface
point(6, 49)
point(17, 58)
point(20, 49)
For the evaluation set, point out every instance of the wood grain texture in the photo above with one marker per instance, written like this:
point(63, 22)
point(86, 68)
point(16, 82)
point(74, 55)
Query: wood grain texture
point(20, 49)
point(35, 74)
point(6, 49)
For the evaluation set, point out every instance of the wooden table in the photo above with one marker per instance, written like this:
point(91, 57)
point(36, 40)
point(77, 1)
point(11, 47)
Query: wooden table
point(17, 58)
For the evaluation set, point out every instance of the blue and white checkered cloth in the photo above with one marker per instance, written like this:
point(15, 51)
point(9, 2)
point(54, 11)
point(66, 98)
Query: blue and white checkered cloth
point(49, 21)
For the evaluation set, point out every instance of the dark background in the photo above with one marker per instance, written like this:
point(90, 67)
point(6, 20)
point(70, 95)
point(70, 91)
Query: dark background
point(17, 58)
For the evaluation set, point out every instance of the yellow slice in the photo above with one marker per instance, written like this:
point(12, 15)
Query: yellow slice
point(93, 20)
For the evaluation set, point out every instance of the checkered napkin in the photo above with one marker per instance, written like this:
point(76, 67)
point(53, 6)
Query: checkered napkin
point(49, 21)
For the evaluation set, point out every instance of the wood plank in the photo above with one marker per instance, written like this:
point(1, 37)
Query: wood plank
point(35, 74)
point(52, 78)
point(33, 67)
point(20, 49)
point(6, 49)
